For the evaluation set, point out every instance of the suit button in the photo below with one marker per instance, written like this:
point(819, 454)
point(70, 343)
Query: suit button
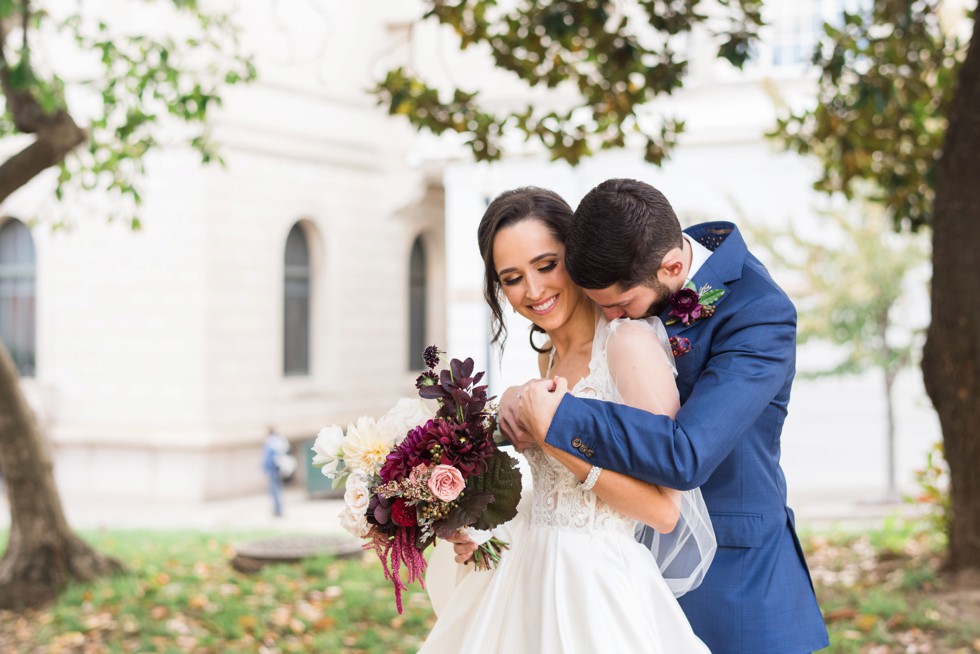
point(576, 442)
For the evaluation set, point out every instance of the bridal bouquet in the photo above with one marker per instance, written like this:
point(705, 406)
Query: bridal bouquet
point(411, 476)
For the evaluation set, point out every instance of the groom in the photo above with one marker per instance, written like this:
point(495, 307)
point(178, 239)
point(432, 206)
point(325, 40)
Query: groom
point(734, 343)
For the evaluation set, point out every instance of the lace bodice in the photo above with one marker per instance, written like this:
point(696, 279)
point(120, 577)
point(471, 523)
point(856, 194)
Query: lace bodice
point(558, 498)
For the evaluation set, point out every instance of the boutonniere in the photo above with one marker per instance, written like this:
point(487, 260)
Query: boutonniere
point(690, 305)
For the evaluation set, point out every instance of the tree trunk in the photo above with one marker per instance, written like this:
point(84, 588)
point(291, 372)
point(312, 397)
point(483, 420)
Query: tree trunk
point(42, 554)
point(951, 359)
point(891, 487)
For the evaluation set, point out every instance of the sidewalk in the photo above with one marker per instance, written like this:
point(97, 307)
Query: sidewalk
point(252, 513)
point(303, 514)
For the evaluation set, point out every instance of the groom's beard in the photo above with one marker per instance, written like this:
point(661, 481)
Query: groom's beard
point(661, 300)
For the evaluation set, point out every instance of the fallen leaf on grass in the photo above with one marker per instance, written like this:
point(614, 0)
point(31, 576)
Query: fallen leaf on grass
point(897, 621)
point(324, 623)
point(865, 622)
point(198, 602)
point(836, 615)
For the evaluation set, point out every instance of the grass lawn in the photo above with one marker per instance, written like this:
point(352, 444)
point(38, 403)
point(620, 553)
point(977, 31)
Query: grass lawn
point(880, 593)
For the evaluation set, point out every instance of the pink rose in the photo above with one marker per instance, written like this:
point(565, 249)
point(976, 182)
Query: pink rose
point(446, 483)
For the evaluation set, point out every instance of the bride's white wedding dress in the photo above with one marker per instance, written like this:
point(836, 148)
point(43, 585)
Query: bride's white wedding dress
point(574, 580)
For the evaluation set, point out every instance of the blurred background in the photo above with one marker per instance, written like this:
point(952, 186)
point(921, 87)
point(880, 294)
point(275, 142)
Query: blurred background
point(226, 221)
point(295, 285)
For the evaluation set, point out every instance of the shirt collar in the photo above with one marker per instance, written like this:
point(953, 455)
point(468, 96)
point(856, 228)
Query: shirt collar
point(699, 254)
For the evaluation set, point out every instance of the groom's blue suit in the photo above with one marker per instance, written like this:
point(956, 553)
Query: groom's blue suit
point(734, 384)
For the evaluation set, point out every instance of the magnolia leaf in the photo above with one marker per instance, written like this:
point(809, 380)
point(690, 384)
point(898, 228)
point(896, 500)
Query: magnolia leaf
point(470, 505)
point(503, 479)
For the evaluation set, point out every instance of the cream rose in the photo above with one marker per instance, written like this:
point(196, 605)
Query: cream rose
point(357, 494)
point(406, 415)
point(327, 448)
point(355, 524)
point(446, 482)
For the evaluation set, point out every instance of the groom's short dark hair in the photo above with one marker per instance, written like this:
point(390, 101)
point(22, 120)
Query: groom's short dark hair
point(620, 234)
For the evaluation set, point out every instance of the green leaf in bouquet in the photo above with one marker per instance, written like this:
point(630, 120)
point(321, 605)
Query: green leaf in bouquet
point(470, 506)
point(503, 480)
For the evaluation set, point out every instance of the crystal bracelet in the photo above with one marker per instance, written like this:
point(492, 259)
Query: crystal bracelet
point(592, 478)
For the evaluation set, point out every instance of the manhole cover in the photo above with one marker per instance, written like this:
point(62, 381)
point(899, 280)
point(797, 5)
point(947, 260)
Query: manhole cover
point(252, 555)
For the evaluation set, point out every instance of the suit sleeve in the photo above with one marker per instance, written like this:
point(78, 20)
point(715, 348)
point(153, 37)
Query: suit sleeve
point(751, 358)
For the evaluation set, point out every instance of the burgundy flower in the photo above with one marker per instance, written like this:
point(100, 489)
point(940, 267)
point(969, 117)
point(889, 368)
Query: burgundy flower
point(679, 346)
point(685, 305)
point(431, 356)
point(456, 393)
point(379, 513)
point(411, 452)
point(464, 446)
point(427, 378)
point(402, 514)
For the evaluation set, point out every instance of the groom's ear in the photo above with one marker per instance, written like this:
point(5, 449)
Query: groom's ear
point(673, 264)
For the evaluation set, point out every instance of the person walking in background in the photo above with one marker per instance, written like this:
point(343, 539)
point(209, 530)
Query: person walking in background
point(275, 448)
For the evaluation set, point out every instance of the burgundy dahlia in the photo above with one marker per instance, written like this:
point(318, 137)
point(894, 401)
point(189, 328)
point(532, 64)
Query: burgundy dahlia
point(464, 446)
point(411, 452)
point(402, 514)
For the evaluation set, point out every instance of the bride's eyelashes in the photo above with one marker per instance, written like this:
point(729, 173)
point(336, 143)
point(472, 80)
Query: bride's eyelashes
point(511, 281)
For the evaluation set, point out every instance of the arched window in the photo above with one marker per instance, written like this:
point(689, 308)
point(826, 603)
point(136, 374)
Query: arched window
point(17, 301)
point(416, 305)
point(296, 304)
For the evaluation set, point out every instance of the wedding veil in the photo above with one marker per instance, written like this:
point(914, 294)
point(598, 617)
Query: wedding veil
point(684, 554)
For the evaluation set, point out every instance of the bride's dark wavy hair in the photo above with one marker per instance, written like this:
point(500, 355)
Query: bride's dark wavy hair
point(507, 209)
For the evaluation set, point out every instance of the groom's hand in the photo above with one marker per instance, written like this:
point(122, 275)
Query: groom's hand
point(539, 404)
point(509, 421)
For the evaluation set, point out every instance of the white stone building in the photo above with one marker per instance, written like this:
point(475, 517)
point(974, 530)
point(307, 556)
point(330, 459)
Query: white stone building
point(291, 287)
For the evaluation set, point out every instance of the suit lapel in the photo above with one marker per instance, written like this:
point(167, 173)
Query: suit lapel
point(723, 266)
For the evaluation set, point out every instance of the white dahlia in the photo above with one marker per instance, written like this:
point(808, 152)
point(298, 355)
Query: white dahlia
point(366, 446)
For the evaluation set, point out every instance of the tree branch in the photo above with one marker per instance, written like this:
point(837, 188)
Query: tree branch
point(53, 143)
point(57, 133)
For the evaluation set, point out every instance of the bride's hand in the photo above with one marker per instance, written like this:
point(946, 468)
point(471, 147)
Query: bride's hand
point(509, 421)
point(463, 546)
point(538, 405)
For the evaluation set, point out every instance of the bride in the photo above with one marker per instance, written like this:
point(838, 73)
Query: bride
point(575, 579)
